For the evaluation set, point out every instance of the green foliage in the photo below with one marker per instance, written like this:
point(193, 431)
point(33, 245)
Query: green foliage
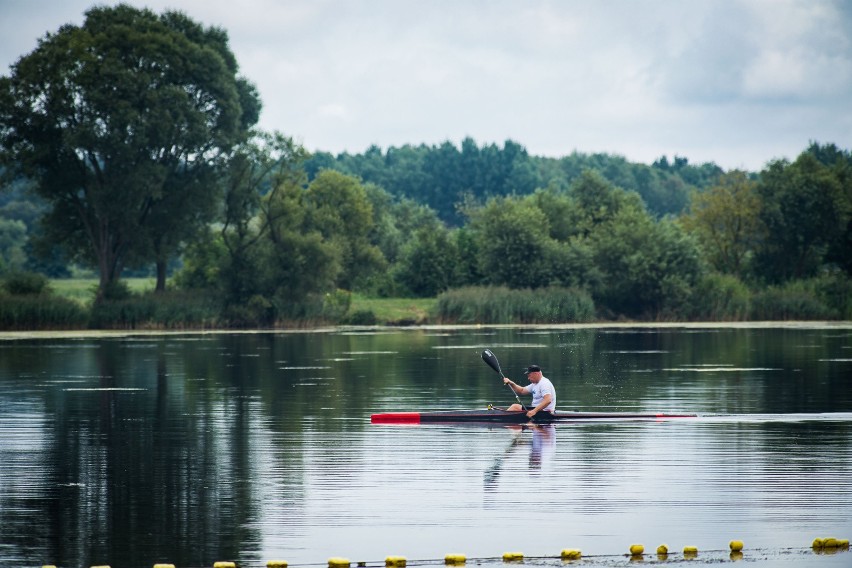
point(467, 270)
point(266, 260)
point(794, 300)
point(26, 284)
point(719, 297)
point(426, 266)
point(169, 310)
point(117, 291)
point(726, 221)
point(30, 312)
point(839, 163)
point(648, 268)
point(203, 262)
point(395, 220)
point(598, 201)
point(13, 236)
point(336, 207)
point(503, 305)
point(361, 317)
point(834, 288)
point(803, 214)
point(442, 176)
point(824, 297)
point(121, 123)
point(335, 305)
point(513, 241)
point(445, 176)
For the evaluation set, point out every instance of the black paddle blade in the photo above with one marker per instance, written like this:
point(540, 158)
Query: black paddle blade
point(491, 359)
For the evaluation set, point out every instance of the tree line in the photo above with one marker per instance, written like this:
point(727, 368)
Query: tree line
point(444, 176)
point(130, 142)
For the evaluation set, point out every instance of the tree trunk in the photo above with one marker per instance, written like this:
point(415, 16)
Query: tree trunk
point(110, 266)
point(161, 276)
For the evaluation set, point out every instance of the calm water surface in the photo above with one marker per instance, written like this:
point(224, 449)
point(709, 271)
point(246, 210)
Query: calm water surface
point(190, 449)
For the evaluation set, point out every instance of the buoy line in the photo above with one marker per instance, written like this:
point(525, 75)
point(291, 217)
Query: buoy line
point(736, 551)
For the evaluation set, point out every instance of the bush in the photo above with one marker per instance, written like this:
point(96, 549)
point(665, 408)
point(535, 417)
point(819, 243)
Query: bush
point(720, 297)
point(795, 300)
point(503, 305)
point(170, 310)
point(835, 290)
point(26, 284)
point(362, 317)
point(40, 312)
point(117, 290)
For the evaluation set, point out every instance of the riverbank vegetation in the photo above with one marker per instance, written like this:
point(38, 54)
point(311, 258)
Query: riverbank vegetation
point(234, 227)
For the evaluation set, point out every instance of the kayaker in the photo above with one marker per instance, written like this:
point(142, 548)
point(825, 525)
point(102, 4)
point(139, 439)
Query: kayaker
point(541, 389)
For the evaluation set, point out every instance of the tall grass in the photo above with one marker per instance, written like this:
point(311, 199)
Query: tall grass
point(498, 304)
point(720, 297)
point(169, 310)
point(33, 312)
point(797, 300)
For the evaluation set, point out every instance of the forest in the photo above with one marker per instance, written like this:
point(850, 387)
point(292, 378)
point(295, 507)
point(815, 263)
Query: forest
point(129, 145)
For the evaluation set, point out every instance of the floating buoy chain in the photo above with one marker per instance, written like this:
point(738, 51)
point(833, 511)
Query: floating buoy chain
point(819, 545)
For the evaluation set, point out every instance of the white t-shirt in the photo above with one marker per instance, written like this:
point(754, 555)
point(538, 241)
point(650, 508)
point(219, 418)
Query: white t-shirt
point(541, 388)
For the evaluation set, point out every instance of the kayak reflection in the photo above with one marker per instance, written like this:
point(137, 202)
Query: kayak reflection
point(543, 444)
point(541, 439)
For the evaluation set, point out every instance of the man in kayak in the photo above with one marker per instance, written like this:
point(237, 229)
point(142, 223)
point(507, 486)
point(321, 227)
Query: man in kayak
point(543, 393)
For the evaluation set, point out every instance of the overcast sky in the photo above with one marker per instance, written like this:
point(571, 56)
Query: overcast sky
point(736, 82)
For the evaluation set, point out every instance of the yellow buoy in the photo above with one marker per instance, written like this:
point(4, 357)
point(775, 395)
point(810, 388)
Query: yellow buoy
point(736, 545)
point(276, 564)
point(690, 551)
point(571, 554)
point(48, 566)
point(513, 556)
point(396, 561)
point(662, 550)
point(817, 543)
point(829, 543)
point(455, 559)
point(736, 555)
point(637, 549)
point(337, 562)
point(224, 564)
point(843, 543)
point(164, 566)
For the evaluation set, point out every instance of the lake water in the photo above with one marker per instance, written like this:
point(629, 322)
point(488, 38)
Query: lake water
point(194, 448)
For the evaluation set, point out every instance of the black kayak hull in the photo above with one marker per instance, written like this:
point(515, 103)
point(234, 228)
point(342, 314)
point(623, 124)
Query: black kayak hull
point(501, 416)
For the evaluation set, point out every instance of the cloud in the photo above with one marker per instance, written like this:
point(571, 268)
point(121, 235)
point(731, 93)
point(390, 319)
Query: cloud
point(738, 82)
point(762, 52)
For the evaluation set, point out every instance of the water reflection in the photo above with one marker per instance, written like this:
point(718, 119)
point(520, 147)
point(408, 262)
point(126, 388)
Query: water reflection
point(189, 450)
point(540, 439)
point(543, 444)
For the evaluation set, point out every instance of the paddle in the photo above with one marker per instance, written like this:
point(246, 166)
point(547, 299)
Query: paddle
point(492, 362)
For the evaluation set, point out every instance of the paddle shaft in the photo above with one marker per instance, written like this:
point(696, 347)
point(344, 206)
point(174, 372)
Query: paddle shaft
point(492, 362)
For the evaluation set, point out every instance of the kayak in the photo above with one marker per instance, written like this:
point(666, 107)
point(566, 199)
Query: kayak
point(501, 416)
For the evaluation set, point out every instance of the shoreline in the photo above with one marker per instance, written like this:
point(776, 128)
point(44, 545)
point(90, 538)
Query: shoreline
point(109, 333)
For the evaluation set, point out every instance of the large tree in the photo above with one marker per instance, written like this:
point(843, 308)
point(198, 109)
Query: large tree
point(119, 122)
point(803, 215)
point(726, 221)
point(338, 208)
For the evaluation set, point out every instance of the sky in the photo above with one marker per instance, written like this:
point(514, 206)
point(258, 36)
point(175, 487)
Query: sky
point(735, 82)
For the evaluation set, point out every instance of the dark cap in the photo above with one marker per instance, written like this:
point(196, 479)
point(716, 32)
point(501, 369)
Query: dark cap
point(532, 369)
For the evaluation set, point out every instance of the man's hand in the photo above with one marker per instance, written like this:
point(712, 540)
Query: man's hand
point(506, 380)
point(532, 413)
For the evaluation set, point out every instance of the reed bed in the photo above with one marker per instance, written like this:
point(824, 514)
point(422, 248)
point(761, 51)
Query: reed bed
point(39, 311)
point(498, 304)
